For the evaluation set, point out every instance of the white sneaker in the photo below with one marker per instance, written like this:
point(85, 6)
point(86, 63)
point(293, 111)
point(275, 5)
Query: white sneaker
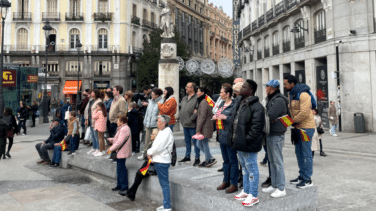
point(269, 189)
point(278, 193)
point(99, 154)
point(133, 153)
point(250, 201)
point(140, 157)
point(91, 151)
point(95, 152)
point(335, 135)
point(241, 196)
point(160, 208)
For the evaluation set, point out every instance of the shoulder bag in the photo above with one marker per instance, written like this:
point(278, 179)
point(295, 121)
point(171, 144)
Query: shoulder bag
point(114, 154)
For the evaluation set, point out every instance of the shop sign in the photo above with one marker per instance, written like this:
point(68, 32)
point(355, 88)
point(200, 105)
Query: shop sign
point(32, 78)
point(101, 84)
point(235, 32)
point(9, 78)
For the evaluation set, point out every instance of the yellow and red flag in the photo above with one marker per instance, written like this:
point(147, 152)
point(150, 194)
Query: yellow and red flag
point(63, 145)
point(219, 124)
point(304, 136)
point(145, 169)
point(286, 120)
point(108, 151)
point(210, 101)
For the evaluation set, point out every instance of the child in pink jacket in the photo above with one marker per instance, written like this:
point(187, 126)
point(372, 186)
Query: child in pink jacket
point(100, 118)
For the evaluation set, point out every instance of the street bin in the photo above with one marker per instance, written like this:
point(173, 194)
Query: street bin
point(359, 124)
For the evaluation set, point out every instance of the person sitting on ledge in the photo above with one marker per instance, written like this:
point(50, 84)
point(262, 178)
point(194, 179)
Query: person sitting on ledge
point(56, 136)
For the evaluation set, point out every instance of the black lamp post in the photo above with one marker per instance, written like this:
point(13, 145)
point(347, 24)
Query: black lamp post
point(78, 46)
point(4, 5)
point(137, 55)
point(47, 29)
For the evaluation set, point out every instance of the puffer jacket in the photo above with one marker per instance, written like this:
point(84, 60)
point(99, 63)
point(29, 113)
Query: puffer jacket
point(301, 107)
point(277, 107)
point(56, 134)
point(152, 111)
point(204, 123)
point(249, 128)
point(224, 133)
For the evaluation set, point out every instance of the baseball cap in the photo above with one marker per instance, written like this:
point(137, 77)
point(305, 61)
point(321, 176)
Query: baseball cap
point(272, 83)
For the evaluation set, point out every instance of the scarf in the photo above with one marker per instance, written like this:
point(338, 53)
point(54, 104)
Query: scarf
point(298, 89)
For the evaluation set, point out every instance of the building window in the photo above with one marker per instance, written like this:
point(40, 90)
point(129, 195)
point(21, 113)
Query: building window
point(152, 17)
point(72, 66)
point(134, 39)
point(52, 6)
point(286, 34)
point(25, 7)
point(22, 39)
point(75, 7)
point(300, 34)
point(275, 39)
point(102, 68)
point(320, 20)
point(102, 39)
point(74, 37)
point(145, 15)
point(103, 6)
point(134, 10)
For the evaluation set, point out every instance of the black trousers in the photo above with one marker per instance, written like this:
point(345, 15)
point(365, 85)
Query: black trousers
point(138, 179)
point(33, 119)
point(136, 142)
point(22, 124)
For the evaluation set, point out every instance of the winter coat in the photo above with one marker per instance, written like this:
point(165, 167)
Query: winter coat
point(277, 107)
point(107, 104)
point(152, 111)
point(56, 134)
point(86, 112)
point(162, 146)
point(204, 123)
point(93, 107)
point(301, 107)
point(123, 133)
point(53, 104)
point(66, 107)
point(118, 108)
point(316, 136)
point(224, 133)
point(169, 108)
point(34, 109)
point(100, 121)
point(249, 127)
point(133, 121)
point(187, 117)
point(24, 113)
point(333, 113)
point(83, 105)
point(3, 135)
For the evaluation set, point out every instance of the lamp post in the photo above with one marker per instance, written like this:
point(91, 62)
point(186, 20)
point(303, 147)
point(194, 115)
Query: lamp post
point(47, 29)
point(78, 46)
point(137, 55)
point(4, 5)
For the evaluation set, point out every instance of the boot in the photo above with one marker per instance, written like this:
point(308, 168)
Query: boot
point(130, 195)
point(4, 156)
point(232, 189)
point(223, 186)
point(82, 136)
point(8, 155)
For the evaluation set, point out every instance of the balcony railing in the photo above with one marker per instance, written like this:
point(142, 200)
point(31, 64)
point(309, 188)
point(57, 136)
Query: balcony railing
point(259, 55)
point(212, 34)
point(286, 46)
point(266, 52)
point(224, 39)
point(269, 15)
point(51, 16)
point(275, 50)
point(22, 16)
point(146, 24)
point(76, 16)
point(291, 4)
point(107, 16)
point(247, 30)
point(254, 25)
point(240, 35)
point(135, 20)
point(261, 21)
point(101, 49)
point(279, 8)
point(154, 1)
point(299, 42)
point(154, 25)
point(320, 35)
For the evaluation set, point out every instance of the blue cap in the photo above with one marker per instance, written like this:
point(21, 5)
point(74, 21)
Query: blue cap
point(272, 83)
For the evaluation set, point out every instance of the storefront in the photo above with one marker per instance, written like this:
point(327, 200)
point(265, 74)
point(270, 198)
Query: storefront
point(70, 90)
point(102, 86)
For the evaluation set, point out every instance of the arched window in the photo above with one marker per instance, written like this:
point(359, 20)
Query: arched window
point(74, 35)
point(320, 20)
point(300, 23)
point(145, 38)
point(22, 39)
point(102, 39)
point(275, 38)
point(266, 42)
point(286, 34)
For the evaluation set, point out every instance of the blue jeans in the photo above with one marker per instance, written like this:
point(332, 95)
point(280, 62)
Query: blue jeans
point(73, 143)
point(265, 160)
point(203, 145)
point(304, 156)
point(251, 175)
point(95, 138)
point(122, 174)
point(83, 123)
point(162, 172)
point(113, 127)
point(277, 171)
point(171, 127)
point(333, 130)
point(230, 165)
point(188, 133)
point(57, 154)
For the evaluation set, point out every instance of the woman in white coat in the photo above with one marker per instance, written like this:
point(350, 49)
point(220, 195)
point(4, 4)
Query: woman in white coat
point(316, 139)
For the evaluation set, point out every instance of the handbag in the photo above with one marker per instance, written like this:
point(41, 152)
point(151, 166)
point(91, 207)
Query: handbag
point(67, 114)
point(320, 130)
point(87, 134)
point(113, 155)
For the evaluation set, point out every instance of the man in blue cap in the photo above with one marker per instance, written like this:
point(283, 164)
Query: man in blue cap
point(276, 106)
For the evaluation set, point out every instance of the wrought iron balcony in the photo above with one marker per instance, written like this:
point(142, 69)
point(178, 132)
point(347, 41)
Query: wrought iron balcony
point(261, 21)
point(320, 35)
point(254, 25)
point(279, 8)
point(224, 39)
point(275, 50)
point(22, 16)
point(291, 4)
point(51, 16)
point(107, 16)
point(259, 55)
point(240, 35)
point(266, 52)
point(146, 24)
point(286, 46)
point(247, 30)
point(299, 42)
point(269, 15)
point(76, 16)
point(135, 20)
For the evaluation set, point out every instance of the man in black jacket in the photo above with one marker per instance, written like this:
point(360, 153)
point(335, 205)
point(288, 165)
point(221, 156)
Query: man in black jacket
point(246, 126)
point(81, 111)
point(56, 136)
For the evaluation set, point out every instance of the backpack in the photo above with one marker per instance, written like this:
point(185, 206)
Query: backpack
point(173, 155)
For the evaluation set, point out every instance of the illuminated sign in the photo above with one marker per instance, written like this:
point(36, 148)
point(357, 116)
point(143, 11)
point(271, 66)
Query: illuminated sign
point(32, 78)
point(9, 78)
point(235, 32)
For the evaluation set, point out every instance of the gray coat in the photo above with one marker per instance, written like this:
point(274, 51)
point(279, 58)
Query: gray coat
point(187, 117)
point(152, 111)
point(276, 107)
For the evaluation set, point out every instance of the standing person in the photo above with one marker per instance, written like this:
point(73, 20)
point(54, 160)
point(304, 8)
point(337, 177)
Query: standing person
point(12, 128)
point(169, 105)
point(317, 136)
point(246, 129)
point(3, 139)
point(87, 116)
point(276, 107)
point(73, 132)
point(66, 107)
point(95, 94)
point(219, 100)
point(204, 126)
point(122, 144)
point(81, 111)
point(118, 108)
point(188, 121)
point(34, 109)
point(150, 120)
point(24, 115)
point(236, 87)
point(108, 98)
point(230, 160)
point(301, 102)
point(128, 95)
point(333, 118)
point(100, 118)
point(160, 155)
point(147, 96)
point(53, 106)
point(133, 124)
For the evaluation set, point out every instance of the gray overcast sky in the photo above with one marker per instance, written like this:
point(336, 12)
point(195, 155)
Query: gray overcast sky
point(226, 4)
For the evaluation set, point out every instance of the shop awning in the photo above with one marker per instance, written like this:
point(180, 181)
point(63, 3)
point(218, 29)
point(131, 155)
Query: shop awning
point(70, 87)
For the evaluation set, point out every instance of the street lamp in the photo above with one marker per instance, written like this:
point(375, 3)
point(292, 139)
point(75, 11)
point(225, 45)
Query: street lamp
point(297, 27)
point(137, 55)
point(47, 29)
point(78, 46)
point(4, 5)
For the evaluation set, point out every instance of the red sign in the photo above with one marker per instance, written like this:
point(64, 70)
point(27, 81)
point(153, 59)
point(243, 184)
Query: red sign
point(32, 78)
point(9, 78)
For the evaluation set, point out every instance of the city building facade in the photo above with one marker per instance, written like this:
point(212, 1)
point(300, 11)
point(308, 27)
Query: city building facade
point(304, 38)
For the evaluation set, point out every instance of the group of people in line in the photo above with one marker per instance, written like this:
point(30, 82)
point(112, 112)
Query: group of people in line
point(237, 116)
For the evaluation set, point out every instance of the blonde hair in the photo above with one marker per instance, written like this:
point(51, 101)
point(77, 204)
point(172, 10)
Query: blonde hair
point(129, 95)
point(237, 86)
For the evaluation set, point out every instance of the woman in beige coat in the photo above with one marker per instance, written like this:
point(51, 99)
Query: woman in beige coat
point(316, 139)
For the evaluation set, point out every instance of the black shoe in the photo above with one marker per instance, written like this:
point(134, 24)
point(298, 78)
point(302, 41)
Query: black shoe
point(185, 159)
point(203, 164)
point(130, 195)
point(241, 185)
point(211, 162)
point(267, 183)
point(123, 192)
point(296, 181)
point(33, 126)
point(52, 163)
point(304, 184)
point(8, 155)
point(220, 170)
point(71, 153)
point(91, 144)
point(322, 154)
point(197, 162)
point(116, 189)
point(55, 165)
point(4, 156)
